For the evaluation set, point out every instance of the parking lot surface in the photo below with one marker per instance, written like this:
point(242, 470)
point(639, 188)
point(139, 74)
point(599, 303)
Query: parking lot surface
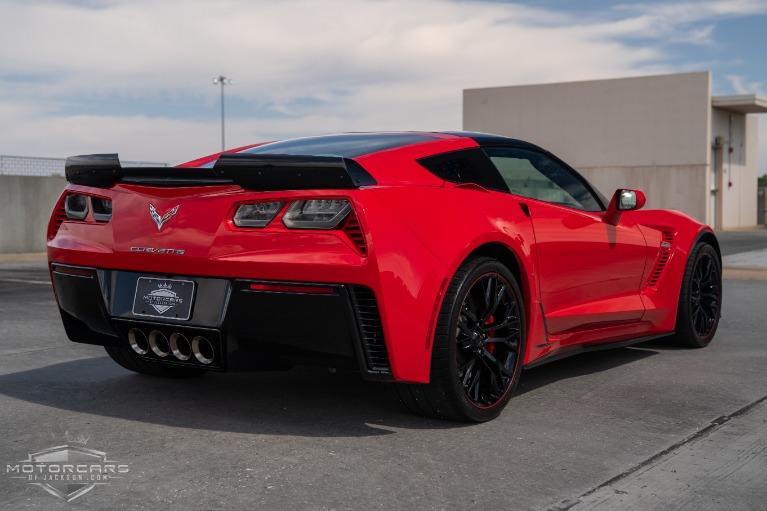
point(645, 427)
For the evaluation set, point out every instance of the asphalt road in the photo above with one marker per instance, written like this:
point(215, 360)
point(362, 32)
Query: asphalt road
point(646, 427)
point(735, 242)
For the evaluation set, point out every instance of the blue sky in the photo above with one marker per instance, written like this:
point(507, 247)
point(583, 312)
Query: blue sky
point(134, 76)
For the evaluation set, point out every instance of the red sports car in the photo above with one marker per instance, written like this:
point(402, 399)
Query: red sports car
point(440, 263)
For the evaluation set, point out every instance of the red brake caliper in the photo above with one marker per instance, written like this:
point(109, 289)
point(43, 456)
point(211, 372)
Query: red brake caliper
point(490, 346)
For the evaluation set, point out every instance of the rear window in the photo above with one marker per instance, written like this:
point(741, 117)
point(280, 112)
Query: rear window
point(348, 145)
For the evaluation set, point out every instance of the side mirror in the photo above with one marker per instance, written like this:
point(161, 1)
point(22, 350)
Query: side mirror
point(623, 200)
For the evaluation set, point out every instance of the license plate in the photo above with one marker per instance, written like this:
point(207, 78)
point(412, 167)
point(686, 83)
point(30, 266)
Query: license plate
point(163, 298)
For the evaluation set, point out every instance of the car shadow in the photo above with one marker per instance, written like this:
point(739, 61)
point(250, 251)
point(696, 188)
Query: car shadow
point(583, 364)
point(301, 402)
point(309, 402)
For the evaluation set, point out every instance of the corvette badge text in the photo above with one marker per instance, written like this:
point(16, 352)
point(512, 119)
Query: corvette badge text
point(67, 471)
point(152, 250)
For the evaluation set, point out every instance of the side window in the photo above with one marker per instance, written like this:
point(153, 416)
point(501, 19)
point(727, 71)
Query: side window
point(465, 166)
point(535, 175)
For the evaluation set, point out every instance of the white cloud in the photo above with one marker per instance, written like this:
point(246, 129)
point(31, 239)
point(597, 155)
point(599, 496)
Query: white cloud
point(739, 84)
point(370, 64)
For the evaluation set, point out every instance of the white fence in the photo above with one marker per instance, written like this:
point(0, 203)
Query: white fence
point(34, 166)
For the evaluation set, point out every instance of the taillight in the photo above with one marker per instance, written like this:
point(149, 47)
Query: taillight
point(102, 209)
point(316, 214)
point(258, 214)
point(76, 206)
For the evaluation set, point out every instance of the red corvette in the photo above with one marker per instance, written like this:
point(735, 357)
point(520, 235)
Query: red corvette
point(440, 263)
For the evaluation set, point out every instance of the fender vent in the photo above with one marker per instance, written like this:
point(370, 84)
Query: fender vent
point(371, 329)
point(662, 260)
point(353, 231)
point(58, 218)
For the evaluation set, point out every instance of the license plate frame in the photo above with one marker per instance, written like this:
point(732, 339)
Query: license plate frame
point(164, 298)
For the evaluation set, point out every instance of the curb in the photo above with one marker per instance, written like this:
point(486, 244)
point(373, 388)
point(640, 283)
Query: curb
point(27, 257)
point(744, 272)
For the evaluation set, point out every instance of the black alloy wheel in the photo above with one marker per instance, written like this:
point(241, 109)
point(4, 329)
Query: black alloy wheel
point(487, 339)
point(478, 348)
point(700, 298)
point(705, 294)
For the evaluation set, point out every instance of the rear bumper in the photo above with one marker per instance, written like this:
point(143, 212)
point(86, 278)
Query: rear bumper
point(251, 324)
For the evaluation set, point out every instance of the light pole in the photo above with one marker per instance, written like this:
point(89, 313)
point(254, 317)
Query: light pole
point(222, 80)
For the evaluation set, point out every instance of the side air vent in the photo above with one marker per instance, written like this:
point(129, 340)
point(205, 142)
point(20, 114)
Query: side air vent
point(353, 231)
point(662, 260)
point(59, 216)
point(371, 329)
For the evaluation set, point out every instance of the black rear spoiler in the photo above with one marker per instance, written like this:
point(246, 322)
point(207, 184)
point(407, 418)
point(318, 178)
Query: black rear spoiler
point(262, 172)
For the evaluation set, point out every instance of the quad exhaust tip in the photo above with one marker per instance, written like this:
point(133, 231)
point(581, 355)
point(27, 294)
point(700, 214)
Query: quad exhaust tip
point(203, 350)
point(177, 345)
point(180, 347)
point(138, 341)
point(159, 343)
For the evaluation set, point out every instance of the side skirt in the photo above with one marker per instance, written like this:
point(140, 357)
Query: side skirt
point(568, 351)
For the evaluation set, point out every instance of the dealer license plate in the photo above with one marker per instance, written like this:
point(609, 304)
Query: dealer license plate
point(163, 298)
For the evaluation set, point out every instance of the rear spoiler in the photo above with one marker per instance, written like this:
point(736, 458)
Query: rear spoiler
point(258, 172)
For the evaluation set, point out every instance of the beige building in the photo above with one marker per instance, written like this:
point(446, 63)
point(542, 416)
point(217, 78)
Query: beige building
point(665, 135)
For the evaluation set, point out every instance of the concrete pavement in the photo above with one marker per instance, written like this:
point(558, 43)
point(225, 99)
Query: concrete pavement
point(646, 427)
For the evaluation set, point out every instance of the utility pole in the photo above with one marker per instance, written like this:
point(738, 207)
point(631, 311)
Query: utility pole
point(222, 80)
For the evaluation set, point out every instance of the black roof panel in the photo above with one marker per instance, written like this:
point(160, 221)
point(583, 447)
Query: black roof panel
point(487, 139)
point(346, 145)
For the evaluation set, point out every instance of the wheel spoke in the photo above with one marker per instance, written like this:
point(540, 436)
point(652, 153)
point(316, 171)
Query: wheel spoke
point(467, 371)
point(502, 369)
point(468, 310)
point(508, 322)
point(464, 328)
point(496, 301)
point(488, 286)
point(510, 341)
point(474, 386)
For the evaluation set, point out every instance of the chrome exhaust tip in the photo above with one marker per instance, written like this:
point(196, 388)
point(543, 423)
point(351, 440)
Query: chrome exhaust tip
point(159, 344)
point(180, 347)
point(138, 341)
point(203, 350)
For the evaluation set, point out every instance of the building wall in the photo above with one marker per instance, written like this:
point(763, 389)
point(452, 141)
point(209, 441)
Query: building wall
point(738, 183)
point(749, 202)
point(650, 133)
point(26, 203)
point(29, 187)
point(676, 182)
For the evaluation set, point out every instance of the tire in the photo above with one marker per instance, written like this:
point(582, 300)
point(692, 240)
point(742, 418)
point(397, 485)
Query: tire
point(478, 347)
point(126, 358)
point(700, 299)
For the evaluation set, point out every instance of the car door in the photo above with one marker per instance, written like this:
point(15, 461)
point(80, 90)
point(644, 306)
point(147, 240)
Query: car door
point(589, 271)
